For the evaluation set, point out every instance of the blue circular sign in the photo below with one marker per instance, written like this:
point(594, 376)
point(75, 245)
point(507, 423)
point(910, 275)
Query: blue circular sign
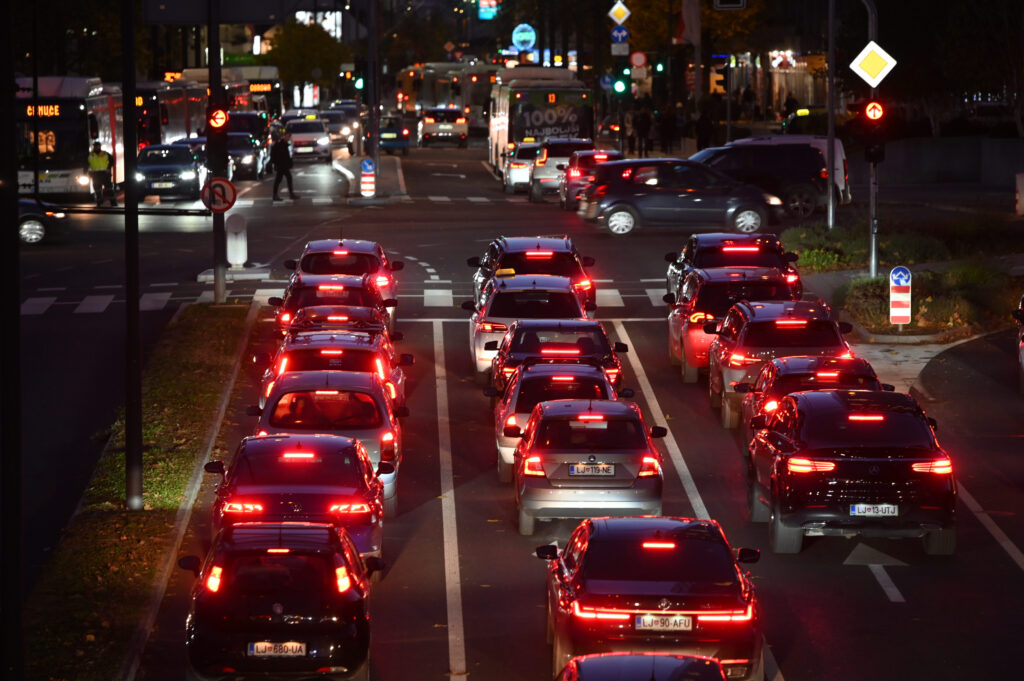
point(367, 165)
point(899, 276)
point(524, 37)
point(607, 81)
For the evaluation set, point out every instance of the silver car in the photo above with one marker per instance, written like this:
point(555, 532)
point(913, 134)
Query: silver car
point(583, 459)
point(552, 153)
point(349, 256)
point(310, 139)
point(518, 167)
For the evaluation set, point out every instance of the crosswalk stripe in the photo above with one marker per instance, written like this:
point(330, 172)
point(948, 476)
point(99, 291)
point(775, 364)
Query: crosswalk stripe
point(440, 198)
point(320, 202)
point(244, 203)
point(609, 297)
point(477, 199)
point(152, 302)
point(93, 304)
point(37, 305)
point(438, 298)
point(261, 295)
point(207, 296)
point(655, 295)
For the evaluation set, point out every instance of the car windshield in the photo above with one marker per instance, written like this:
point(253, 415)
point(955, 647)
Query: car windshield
point(326, 410)
point(278, 575)
point(254, 125)
point(174, 155)
point(577, 435)
point(558, 263)
point(820, 380)
point(535, 305)
point(335, 117)
point(560, 342)
point(240, 142)
point(305, 126)
point(526, 152)
point(331, 296)
point(390, 123)
point(689, 560)
point(716, 298)
point(543, 388)
point(888, 435)
point(342, 468)
point(339, 262)
point(816, 333)
point(719, 256)
point(442, 115)
point(565, 149)
point(330, 358)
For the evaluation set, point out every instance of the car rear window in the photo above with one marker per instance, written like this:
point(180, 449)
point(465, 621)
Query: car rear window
point(592, 160)
point(582, 341)
point(791, 383)
point(340, 468)
point(240, 142)
point(327, 410)
point(816, 333)
point(690, 560)
point(279, 574)
point(304, 126)
point(348, 296)
point(557, 263)
point(331, 359)
point(339, 263)
point(573, 434)
point(715, 256)
point(442, 115)
point(535, 305)
point(254, 125)
point(715, 298)
point(565, 149)
point(543, 388)
point(527, 152)
point(896, 434)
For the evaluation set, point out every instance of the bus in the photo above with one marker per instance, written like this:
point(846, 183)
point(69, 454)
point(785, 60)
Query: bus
point(427, 86)
point(533, 103)
point(472, 88)
point(162, 112)
point(265, 82)
point(72, 114)
point(236, 89)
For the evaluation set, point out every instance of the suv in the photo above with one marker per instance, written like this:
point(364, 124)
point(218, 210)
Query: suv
point(755, 332)
point(443, 125)
point(794, 172)
point(841, 169)
point(720, 249)
point(310, 139)
point(545, 171)
point(578, 172)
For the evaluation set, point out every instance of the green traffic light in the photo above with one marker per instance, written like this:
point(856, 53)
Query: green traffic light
point(625, 72)
point(359, 83)
point(620, 86)
point(660, 67)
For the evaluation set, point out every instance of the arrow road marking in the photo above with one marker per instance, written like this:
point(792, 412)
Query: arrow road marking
point(876, 561)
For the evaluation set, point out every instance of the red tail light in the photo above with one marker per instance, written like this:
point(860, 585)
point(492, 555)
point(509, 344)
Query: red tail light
point(380, 368)
point(511, 420)
point(600, 157)
point(575, 173)
point(801, 465)
point(331, 353)
point(698, 317)
point(531, 466)
point(627, 173)
point(405, 132)
point(281, 367)
point(350, 508)
point(649, 467)
point(542, 157)
point(596, 614)
point(791, 322)
point(939, 466)
point(299, 456)
point(387, 446)
point(583, 285)
point(392, 391)
point(728, 615)
point(866, 417)
point(741, 249)
point(518, 164)
point(770, 406)
point(491, 326)
point(243, 507)
point(270, 386)
point(285, 317)
point(383, 280)
point(847, 355)
point(330, 287)
point(827, 374)
point(262, 433)
point(590, 417)
point(508, 371)
point(326, 392)
point(613, 374)
point(846, 172)
point(428, 119)
point(213, 579)
point(344, 581)
point(539, 254)
point(792, 278)
point(560, 352)
point(563, 379)
point(738, 359)
point(659, 545)
point(339, 252)
point(461, 120)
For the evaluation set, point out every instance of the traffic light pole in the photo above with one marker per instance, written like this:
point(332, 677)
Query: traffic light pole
point(218, 153)
point(869, 5)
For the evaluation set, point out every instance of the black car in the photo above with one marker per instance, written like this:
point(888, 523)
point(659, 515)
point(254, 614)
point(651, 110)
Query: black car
point(658, 584)
point(642, 666)
point(331, 289)
point(796, 173)
point(851, 462)
point(256, 123)
point(247, 155)
point(627, 195)
point(722, 249)
point(555, 255)
point(39, 221)
point(169, 170)
point(280, 600)
point(198, 147)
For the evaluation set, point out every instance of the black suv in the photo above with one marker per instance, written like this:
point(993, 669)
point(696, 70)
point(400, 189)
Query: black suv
point(796, 173)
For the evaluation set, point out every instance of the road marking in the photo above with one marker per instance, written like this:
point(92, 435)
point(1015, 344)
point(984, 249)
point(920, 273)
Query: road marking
point(244, 203)
point(439, 198)
point(37, 305)
point(320, 202)
point(263, 294)
point(478, 199)
point(655, 295)
point(93, 304)
point(452, 578)
point(609, 297)
point(651, 281)
point(435, 279)
point(207, 296)
point(429, 270)
point(438, 298)
point(986, 520)
point(152, 302)
point(886, 583)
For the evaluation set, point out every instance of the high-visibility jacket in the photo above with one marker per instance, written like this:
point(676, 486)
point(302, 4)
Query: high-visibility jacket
point(99, 160)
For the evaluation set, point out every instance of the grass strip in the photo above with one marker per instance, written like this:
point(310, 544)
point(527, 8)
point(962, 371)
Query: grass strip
point(91, 594)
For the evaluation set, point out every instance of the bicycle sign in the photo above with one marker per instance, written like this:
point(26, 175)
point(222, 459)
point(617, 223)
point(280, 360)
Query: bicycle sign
point(219, 194)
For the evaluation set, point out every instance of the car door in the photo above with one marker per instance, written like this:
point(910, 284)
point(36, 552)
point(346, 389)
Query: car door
point(563, 582)
point(772, 441)
point(650, 190)
point(696, 197)
point(677, 314)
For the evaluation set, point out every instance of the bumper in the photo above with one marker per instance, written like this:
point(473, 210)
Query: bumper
point(542, 501)
point(445, 136)
point(837, 521)
point(314, 152)
point(176, 188)
point(519, 177)
point(547, 184)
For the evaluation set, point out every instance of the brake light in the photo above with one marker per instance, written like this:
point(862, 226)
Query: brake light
point(590, 417)
point(213, 579)
point(461, 120)
point(517, 164)
point(358, 507)
point(531, 466)
point(847, 355)
point(491, 326)
point(728, 615)
point(339, 252)
point(511, 420)
point(827, 374)
point(649, 467)
point(612, 374)
point(738, 359)
point(939, 466)
point(286, 317)
point(563, 379)
point(262, 433)
point(659, 545)
point(382, 280)
point(270, 386)
point(392, 392)
point(846, 171)
point(575, 172)
point(405, 132)
point(560, 351)
point(380, 368)
point(344, 581)
point(542, 157)
point(279, 550)
point(337, 318)
point(791, 322)
point(741, 249)
point(583, 285)
point(801, 465)
point(508, 371)
point(824, 173)
point(599, 191)
point(428, 119)
point(792, 278)
point(298, 456)
point(539, 254)
point(387, 446)
point(331, 353)
point(600, 157)
point(326, 392)
point(698, 317)
point(595, 614)
point(243, 507)
point(330, 287)
point(866, 417)
point(281, 367)
point(770, 406)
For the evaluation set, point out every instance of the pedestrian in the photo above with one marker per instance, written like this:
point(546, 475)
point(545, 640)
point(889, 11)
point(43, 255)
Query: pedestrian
point(99, 171)
point(642, 125)
point(281, 157)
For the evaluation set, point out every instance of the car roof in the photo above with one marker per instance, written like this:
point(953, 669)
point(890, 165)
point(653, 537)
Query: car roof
point(646, 526)
point(712, 239)
point(344, 338)
point(294, 381)
point(595, 152)
point(562, 408)
point(800, 364)
point(320, 443)
point(302, 536)
point(819, 403)
point(767, 310)
point(357, 245)
point(520, 244)
point(740, 273)
point(532, 282)
point(549, 324)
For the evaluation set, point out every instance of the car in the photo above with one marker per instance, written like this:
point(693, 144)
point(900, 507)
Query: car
point(299, 114)
point(342, 127)
point(784, 375)
point(755, 332)
point(841, 169)
point(310, 139)
point(1018, 315)
point(516, 175)
point(337, 350)
point(507, 298)
point(340, 318)
point(582, 458)
point(249, 157)
point(347, 403)
point(628, 195)
point(555, 255)
point(609, 128)
point(349, 256)
point(796, 173)
point(198, 147)
point(440, 124)
point(723, 249)
point(169, 170)
point(536, 381)
point(280, 600)
point(578, 172)
point(555, 340)
point(256, 123)
point(552, 153)
point(705, 296)
point(303, 478)
point(39, 221)
point(645, 666)
point(394, 135)
point(657, 584)
point(851, 462)
point(330, 289)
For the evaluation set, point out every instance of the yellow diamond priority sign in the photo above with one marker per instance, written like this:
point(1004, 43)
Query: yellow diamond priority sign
point(873, 64)
point(619, 12)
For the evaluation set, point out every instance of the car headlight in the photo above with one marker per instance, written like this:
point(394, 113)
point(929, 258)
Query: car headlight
point(323, 141)
point(772, 200)
point(139, 177)
point(188, 175)
point(83, 180)
point(247, 159)
point(345, 130)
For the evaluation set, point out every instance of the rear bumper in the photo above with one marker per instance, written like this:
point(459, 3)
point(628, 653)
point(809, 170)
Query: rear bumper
point(541, 500)
point(837, 521)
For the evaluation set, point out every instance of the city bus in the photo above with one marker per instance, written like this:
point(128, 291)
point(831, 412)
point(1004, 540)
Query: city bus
point(427, 86)
point(265, 82)
point(533, 103)
point(162, 112)
point(472, 88)
point(72, 114)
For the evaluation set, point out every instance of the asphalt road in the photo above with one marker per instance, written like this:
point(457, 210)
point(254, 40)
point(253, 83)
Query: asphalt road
point(463, 593)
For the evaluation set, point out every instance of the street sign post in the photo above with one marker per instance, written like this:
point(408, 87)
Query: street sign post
point(219, 194)
point(873, 64)
point(638, 59)
point(899, 295)
point(619, 13)
point(524, 37)
point(367, 181)
point(607, 81)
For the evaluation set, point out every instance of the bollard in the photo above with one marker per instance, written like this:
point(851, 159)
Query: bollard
point(237, 247)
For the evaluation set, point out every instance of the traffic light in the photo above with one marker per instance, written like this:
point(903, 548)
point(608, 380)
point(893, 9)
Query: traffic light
point(873, 124)
point(217, 140)
point(619, 86)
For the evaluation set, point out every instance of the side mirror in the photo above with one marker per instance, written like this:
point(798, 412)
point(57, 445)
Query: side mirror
point(468, 305)
point(374, 564)
point(757, 421)
point(590, 306)
point(397, 336)
point(748, 556)
point(512, 431)
point(790, 257)
point(291, 264)
point(405, 359)
point(216, 466)
point(671, 257)
point(385, 468)
point(626, 392)
point(192, 563)
point(253, 410)
point(275, 301)
point(845, 327)
point(743, 388)
point(490, 391)
point(620, 347)
point(669, 298)
point(659, 431)
point(888, 387)
point(588, 261)
point(397, 265)
point(474, 261)
point(261, 359)
point(711, 328)
point(491, 345)
point(390, 302)
point(402, 412)
point(547, 552)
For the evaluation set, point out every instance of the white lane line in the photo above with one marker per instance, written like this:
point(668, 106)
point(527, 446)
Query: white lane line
point(655, 294)
point(401, 177)
point(438, 298)
point(443, 199)
point(411, 258)
point(452, 577)
point(986, 520)
point(603, 281)
point(261, 295)
point(244, 203)
point(435, 279)
point(478, 199)
point(429, 270)
point(93, 304)
point(650, 281)
point(152, 302)
point(609, 297)
point(37, 305)
point(689, 486)
point(886, 583)
point(321, 202)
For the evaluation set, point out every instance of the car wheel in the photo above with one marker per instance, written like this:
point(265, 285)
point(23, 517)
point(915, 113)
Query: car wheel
point(730, 419)
point(686, 370)
point(940, 542)
point(504, 471)
point(536, 193)
point(621, 221)
point(714, 397)
point(748, 220)
point(759, 511)
point(391, 506)
point(526, 523)
point(784, 539)
point(800, 201)
point(31, 230)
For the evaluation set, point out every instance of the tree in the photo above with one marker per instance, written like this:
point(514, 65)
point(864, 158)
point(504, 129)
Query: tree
point(306, 53)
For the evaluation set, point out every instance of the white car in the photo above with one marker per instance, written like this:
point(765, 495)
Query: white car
point(443, 125)
point(518, 167)
point(310, 139)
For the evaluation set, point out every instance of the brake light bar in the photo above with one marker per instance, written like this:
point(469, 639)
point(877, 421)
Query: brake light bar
point(659, 545)
point(531, 466)
point(213, 579)
point(539, 254)
point(282, 365)
point(595, 614)
point(563, 379)
point(866, 417)
point(938, 466)
point(827, 374)
point(298, 456)
point(741, 249)
point(358, 507)
point(330, 287)
point(344, 581)
point(557, 351)
point(331, 353)
point(242, 507)
point(339, 252)
point(590, 417)
point(600, 157)
point(279, 550)
point(801, 465)
point(790, 322)
point(518, 164)
point(649, 468)
point(326, 392)
point(337, 318)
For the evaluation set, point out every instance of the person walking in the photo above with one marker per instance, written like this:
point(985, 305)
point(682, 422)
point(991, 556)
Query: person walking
point(99, 172)
point(281, 157)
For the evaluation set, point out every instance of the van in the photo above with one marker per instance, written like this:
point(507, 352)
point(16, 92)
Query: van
point(841, 173)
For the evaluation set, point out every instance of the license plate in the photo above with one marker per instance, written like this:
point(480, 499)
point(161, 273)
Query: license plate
point(594, 469)
point(388, 135)
point(445, 127)
point(304, 149)
point(163, 185)
point(663, 623)
point(277, 649)
point(875, 510)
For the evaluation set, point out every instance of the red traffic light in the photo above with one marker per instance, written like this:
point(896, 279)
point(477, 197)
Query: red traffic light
point(218, 118)
point(874, 111)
